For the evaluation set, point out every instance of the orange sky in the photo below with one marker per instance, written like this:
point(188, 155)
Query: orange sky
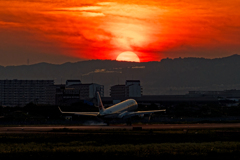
point(58, 31)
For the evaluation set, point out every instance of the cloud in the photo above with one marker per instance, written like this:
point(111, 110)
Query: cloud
point(102, 30)
point(100, 71)
point(137, 67)
point(9, 24)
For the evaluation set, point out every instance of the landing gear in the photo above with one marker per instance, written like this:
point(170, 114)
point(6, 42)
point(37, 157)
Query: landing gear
point(149, 118)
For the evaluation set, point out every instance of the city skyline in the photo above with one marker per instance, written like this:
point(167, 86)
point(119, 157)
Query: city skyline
point(69, 31)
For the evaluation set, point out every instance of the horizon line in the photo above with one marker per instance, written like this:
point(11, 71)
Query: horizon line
point(119, 61)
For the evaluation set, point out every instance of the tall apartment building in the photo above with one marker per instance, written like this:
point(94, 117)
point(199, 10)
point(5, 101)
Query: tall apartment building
point(132, 88)
point(73, 93)
point(21, 92)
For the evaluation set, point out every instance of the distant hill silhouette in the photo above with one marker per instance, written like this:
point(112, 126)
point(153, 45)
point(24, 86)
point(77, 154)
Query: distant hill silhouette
point(169, 76)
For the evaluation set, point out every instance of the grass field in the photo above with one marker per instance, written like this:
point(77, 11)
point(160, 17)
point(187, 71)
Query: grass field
point(119, 144)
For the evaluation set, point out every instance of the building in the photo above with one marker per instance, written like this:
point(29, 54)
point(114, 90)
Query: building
point(77, 91)
point(67, 96)
point(51, 93)
point(163, 100)
point(220, 94)
point(227, 97)
point(117, 91)
point(21, 92)
point(132, 88)
point(88, 90)
point(72, 82)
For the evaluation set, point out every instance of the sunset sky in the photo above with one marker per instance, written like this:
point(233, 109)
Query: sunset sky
point(58, 31)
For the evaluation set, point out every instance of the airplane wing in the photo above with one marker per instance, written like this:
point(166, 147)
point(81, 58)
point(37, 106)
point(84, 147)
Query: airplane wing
point(149, 112)
point(81, 113)
point(130, 114)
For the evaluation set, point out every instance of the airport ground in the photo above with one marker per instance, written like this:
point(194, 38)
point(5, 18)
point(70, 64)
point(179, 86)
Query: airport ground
point(122, 127)
point(41, 132)
point(162, 141)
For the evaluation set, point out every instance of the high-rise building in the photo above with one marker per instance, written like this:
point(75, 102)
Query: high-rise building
point(75, 91)
point(132, 88)
point(21, 92)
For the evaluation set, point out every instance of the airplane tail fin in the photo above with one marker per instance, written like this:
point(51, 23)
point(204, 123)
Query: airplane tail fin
point(100, 105)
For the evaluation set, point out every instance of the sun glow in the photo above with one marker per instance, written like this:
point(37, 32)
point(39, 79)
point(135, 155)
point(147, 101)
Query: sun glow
point(98, 29)
point(128, 56)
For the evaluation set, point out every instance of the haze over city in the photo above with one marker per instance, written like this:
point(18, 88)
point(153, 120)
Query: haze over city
point(69, 31)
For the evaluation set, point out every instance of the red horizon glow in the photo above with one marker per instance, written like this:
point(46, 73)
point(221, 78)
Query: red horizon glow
point(103, 30)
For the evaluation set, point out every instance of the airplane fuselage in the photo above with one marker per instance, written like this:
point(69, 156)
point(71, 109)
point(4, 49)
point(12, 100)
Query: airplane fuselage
point(116, 110)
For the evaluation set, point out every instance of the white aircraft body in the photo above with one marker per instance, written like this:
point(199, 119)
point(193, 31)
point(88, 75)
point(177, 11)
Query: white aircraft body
point(122, 110)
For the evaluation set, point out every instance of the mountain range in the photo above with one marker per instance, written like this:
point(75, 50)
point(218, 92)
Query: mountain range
point(168, 76)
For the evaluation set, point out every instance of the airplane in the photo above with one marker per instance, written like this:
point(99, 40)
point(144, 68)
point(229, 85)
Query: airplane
point(122, 110)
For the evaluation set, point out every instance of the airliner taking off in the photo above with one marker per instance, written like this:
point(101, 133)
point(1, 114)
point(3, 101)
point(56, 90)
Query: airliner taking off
point(122, 110)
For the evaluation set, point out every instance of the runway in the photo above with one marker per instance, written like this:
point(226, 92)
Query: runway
point(46, 129)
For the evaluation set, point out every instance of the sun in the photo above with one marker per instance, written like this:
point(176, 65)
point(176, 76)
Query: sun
point(128, 56)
